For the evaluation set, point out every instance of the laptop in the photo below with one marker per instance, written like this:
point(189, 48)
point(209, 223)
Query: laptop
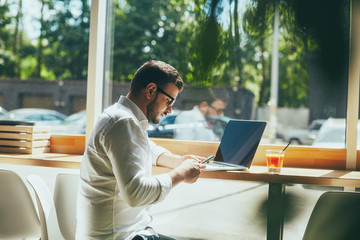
point(238, 146)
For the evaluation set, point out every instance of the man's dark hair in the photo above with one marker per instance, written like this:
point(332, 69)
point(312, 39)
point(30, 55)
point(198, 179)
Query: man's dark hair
point(212, 97)
point(157, 72)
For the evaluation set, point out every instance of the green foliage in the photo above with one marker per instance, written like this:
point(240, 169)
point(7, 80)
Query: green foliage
point(210, 42)
point(7, 60)
point(293, 75)
point(67, 33)
point(146, 30)
point(27, 67)
point(207, 48)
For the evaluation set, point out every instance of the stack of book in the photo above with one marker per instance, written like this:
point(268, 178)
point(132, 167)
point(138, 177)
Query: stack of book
point(23, 137)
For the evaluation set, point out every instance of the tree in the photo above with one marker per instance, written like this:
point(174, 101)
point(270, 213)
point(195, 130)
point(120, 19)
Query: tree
point(293, 77)
point(7, 60)
point(18, 40)
point(258, 28)
point(147, 30)
point(39, 56)
point(67, 34)
point(190, 35)
point(15, 47)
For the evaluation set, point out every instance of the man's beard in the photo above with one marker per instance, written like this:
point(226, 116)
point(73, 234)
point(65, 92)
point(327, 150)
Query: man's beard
point(152, 116)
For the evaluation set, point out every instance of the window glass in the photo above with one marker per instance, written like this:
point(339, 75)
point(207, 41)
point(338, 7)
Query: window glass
point(285, 62)
point(43, 59)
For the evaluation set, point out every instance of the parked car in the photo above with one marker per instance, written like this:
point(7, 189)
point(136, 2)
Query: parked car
point(163, 129)
point(332, 134)
point(2, 111)
point(73, 124)
point(303, 136)
point(39, 116)
point(166, 127)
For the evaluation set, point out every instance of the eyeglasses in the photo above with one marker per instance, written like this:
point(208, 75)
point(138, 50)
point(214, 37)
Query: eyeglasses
point(172, 101)
point(218, 110)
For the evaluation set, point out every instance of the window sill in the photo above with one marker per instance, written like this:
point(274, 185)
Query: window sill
point(296, 156)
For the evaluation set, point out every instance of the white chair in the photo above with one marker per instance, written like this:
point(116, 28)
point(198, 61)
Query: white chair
point(18, 217)
point(336, 216)
point(65, 199)
point(46, 208)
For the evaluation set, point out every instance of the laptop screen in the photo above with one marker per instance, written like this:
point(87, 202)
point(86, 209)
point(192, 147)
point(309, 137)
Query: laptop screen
point(240, 141)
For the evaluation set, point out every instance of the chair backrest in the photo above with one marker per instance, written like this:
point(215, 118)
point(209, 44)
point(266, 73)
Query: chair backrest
point(18, 217)
point(336, 216)
point(65, 198)
point(46, 208)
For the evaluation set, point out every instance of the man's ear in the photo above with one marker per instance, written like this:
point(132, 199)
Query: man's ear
point(150, 90)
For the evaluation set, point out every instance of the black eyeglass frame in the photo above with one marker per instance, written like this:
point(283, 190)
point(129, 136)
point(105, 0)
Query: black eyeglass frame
point(218, 110)
point(171, 103)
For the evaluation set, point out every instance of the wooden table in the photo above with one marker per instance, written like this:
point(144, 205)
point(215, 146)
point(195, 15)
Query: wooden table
point(277, 182)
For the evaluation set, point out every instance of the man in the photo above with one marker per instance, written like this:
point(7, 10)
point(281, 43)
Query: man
point(193, 124)
point(116, 186)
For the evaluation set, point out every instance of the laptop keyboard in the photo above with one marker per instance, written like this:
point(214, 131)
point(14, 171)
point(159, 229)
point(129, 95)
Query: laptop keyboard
point(217, 164)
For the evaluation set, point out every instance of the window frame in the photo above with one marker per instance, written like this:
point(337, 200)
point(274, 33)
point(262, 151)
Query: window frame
point(353, 87)
point(94, 88)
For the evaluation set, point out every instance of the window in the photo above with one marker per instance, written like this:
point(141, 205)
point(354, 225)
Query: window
point(44, 57)
point(286, 63)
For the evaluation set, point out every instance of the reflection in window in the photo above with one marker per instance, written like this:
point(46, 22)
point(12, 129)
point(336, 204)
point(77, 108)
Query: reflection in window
point(225, 49)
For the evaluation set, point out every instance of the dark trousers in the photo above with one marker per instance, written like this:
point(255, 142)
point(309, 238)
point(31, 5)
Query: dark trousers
point(152, 237)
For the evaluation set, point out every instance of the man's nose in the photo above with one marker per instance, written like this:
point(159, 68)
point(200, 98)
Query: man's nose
point(169, 109)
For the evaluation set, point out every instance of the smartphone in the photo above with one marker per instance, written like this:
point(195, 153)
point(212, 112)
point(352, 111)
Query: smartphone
point(208, 158)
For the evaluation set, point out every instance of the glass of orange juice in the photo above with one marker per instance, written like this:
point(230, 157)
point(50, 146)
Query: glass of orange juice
point(274, 159)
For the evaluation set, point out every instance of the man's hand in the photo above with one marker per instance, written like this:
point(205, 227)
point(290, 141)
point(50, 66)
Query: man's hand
point(188, 171)
point(191, 157)
point(171, 160)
